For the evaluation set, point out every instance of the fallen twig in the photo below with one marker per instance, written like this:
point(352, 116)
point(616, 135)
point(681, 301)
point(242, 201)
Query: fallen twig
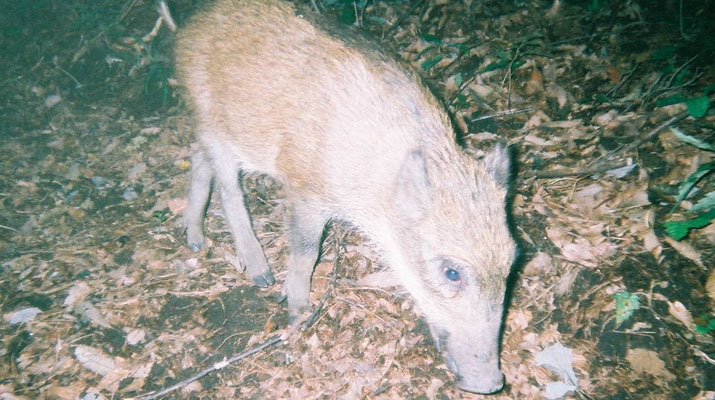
point(313, 318)
point(218, 366)
point(309, 321)
point(503, 113)
point(587, 171)
point(652, 134)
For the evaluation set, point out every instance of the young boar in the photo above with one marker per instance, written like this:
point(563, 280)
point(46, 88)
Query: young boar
point(353, 136)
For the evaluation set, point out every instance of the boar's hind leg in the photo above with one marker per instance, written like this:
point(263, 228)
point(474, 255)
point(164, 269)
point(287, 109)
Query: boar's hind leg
point(305, 229)
point(201, 175)
point(248, 249)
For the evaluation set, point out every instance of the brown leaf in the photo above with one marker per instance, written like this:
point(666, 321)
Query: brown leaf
point(710, 285)
point(647, 362)
point(94, 360)
point(678, 310)
point(614, 74)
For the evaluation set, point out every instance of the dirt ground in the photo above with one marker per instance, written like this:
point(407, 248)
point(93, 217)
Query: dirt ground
point(102, 299)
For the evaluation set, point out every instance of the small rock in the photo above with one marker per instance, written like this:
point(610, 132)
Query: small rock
point(129, 194)
point(52, 100)
point(22, 316)
point(101, 183)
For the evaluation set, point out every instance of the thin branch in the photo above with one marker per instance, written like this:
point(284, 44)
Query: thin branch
point(504, 113)
point(653, 133)
point(268, 343)
point(9, 228)
point(313, 318)
point(218, 366)
point(587, 171)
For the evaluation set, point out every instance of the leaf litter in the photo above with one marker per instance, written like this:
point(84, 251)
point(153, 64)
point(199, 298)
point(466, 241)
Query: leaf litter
point(101, 298)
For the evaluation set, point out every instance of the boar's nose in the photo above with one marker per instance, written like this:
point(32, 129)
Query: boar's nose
point(484, 379)
point(483, 384)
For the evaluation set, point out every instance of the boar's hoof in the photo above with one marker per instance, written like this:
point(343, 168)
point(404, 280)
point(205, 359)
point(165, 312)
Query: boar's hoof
point(196, 246)
point(280, 297)
point(296, 316)
point(484, 385)
point(264, 280)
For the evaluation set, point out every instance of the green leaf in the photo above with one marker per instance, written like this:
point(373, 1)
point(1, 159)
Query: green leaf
point(698, 106)
point(666, 101)
point(679, 229)
point(665, 52)
point(692, 180)
point(602, 98)
point(682, 76)
point(626, 303)
point(706, 203)
point(431, 38)
point(692, 140)
point(462, 100)
point(347, 15)
point(377, 20)
point(495, 65)
point(701, 329)
point(161, 215)
point(711, 324)
point(503, 55)
point(458, 79)
point(426, 65)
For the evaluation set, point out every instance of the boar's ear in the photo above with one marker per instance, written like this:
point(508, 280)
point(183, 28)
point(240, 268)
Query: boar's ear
point(412, 197)
point(497, 163)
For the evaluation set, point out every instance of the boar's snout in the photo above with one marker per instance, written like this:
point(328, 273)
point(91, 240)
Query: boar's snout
point(484, 384)
point(479, 377)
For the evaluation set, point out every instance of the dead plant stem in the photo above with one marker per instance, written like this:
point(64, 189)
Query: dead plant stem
point(218, 366)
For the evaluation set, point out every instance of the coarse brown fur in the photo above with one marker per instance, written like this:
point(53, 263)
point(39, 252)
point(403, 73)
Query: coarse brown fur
point(355, 136)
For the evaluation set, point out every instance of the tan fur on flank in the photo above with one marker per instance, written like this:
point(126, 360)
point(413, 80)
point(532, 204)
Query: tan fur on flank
point(354, 136)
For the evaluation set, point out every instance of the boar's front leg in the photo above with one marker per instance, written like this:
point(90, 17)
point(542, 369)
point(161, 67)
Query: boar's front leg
point(248, 249)
point(305, 229)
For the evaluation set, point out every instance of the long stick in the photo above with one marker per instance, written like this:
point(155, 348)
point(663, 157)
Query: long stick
point(219, 365)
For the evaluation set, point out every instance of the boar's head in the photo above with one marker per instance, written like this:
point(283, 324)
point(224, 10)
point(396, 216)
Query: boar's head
point(456, 253)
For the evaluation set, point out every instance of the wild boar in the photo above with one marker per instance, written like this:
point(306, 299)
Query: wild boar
point(353, 135)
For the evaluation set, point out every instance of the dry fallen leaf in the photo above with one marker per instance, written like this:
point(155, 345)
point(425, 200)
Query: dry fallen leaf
point(652, 243)
point(136, 336)
point(433, 388)
point(710, 285)
point(70, 392)
point(678, 310)
point(539, 264)
point(380, 279)
point(90, 313)
point(685, 250)
point(614, 75)
point(77, 293)
point(94, 360)
point(22, 316)
point(647, 361)
point(177, 205)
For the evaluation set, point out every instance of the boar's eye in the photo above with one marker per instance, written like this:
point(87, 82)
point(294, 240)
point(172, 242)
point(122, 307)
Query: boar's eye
point(454, 273)
point(451, 274)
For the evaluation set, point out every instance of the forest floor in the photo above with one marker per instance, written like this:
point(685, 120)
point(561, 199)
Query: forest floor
point(102, 299)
